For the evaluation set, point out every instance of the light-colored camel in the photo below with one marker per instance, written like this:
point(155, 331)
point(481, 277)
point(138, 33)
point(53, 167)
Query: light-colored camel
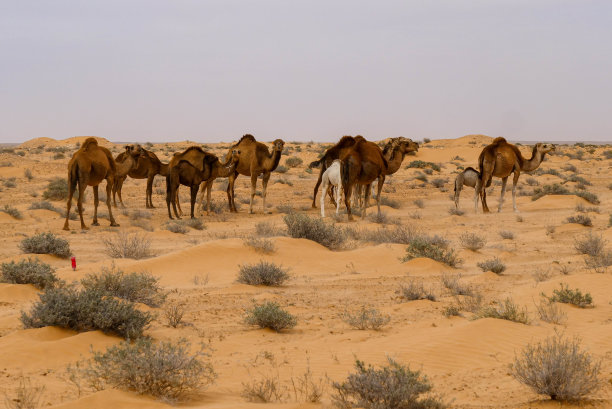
point(468, 177)
point(219, 170)
point(332, 179)
point(200, 160)
point(326, 160)
point(254, 160)
point(362, 164)
point(500, 159)
point(89, 166)
point(148, 167)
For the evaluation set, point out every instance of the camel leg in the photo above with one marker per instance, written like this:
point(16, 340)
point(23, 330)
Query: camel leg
point(119, 189)
point(202, 189)
point(82, 186)
point(324, 187)
point(169, 195)
point(501, 197)
point(208, 191)
point(194, 193)
point(483, 192)
point(115, 192)
point(177, 201)
point(149, 194)
point(253, 190)
point(366, 198)
point(230, 192)
point(71, 189)
point(264, 182)
point(330, 193)
point(347, 202)
point(514, 183)
point(458, 187)
point(339, 192)
point(96, 201)
point(381, 181)
point(109, 185)
point(316, 188)
point(476, 194)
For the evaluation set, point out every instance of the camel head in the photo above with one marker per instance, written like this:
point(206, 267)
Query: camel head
point(278, 145)
point(408, 145)
point(134, 150)
point(235, 156)
point(544, 147)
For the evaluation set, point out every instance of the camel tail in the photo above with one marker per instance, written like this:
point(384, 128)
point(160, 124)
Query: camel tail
point(73, 176)
point(344, 174)
point(315, 164)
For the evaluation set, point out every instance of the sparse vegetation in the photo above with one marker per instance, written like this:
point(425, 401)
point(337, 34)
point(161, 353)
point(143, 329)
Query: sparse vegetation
point(128, 245)
point(452, 283)
point(580, 219)
point(568, 296)
point(415, 290)
point(57, 189)
point(177, 227)
point(493, 265)
point(472, 241)
point(455, 211)
point(86, 310)
point(315, 229)
point(262, 273)
point(550, 312)
point(590, 244)
point(505, 310)
point(46, 243)
point(270, 315)
point(506, 234)
point(174, 314)
point(419, 164)
point(559, 368)
point(166, 370)
point(392, 386)
point(26, 396)
point(419, 203)
point(13, 212)
point(293, 161)
point(366, 318)
point(433, 248)
point(260, 244)
point(28, 174)
point(30, 271)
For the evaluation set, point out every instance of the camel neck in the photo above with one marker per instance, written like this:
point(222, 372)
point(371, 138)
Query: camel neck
point(394, 161)
point(124, 167)
point(272, 161)
point(534, 162)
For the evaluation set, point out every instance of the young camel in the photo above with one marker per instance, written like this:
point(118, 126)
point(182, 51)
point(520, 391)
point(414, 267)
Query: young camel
point(332, 178)
point(469, 177)
point(329, 156)
point(89, 166)
point(254, 160)
point(219, 170)
point(500, 159)
point(148, 167)
point(362, 164)
point(201, 161)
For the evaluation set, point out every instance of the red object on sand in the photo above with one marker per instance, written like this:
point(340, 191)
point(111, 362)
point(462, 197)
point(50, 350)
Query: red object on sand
point(73, 260)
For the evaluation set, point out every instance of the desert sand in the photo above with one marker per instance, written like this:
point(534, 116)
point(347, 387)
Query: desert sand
point(467, 360)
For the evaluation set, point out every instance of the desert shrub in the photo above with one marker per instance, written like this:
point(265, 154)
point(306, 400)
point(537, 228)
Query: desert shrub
point(262, 273)
point(293, 161)
point(607, 154)
point(439, 182)
point(419, 203)
point(379, 218)
point(568, 296)
point(126, 245)
point(532, 181)
point(600, 262)
point(44, 205)
point(451, 311)
point(13, 212)
point(590, 244)
point(86, 310)
point(315, 229)
point(452, 283)
point(455, 211)
point(26, 396)
point(174, 314)
point(143, 224)
point(415, 290)
point(270, 315)
point(506, 234)
point(423, 246)
point(10, 182)
point(260, 245)
point(196, 224)
point(57, 189)
point(59, 155)
point(266, 229)
point(588, 196)
point(392, 386)
point(177, 227)
point(419, 164)
point(472, 241)
point(505, 310)
point(578, 179)
point(282, 169)
point(365, 318)
point(46, 243)
point(140, 287)
point(392, 203)
point(398, 234)
point(494, 265)
point(557, 367)
point(30, 271)
point(570, 168)
point(550, 312)
point(165, 370)
point(422, 177)
point(554, 189)
point(580, 219)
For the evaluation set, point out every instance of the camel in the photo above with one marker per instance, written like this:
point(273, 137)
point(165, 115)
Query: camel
point(332, 177)
point(148, 167)
point(254, 160)
point(89, 166)
point(326, 160)
point(362, 164)
point(201, 161)
point(468, 177)
point(500, 159)
point(219, 170)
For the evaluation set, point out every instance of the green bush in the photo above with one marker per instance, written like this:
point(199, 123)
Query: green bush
point(423, 246)
point(86, 310)
point(393, 386)
point(270, 315)
point(57, 189)
point(165, 370)
point(493, 265)
point(30, 271)
point(419, 164)
point(140, 287)
point(506, 310)
point(13, 212)
point(293, 161)
point(315, 229)
point(46, 243)
point(568, 296)
point(262, 273)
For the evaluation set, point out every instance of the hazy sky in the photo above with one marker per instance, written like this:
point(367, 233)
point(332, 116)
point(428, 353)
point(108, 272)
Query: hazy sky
point(156, 70)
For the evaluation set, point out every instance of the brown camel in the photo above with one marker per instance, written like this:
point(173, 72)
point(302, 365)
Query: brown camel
point(326, 160)
point(219, 170)
point(362, 164)
point(254, 160)
point(89, 166)
point(500, 159)
point(201, 161)
point(148, 167)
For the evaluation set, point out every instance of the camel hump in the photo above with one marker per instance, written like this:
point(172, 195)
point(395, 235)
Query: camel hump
point(210, 159)
point(194, 148)
point(345, 142)
point(111, 161)
point(499, 140)
point(247, 137)
point(88, 143)
point(469, 169)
